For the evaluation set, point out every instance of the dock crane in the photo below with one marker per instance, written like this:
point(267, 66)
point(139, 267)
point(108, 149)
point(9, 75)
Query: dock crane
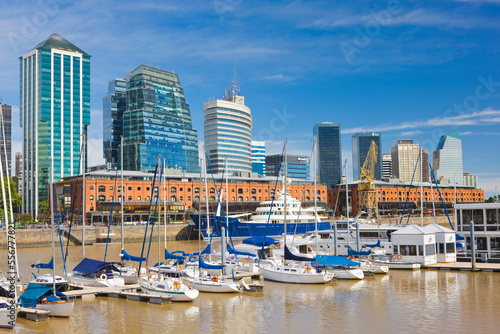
point(366, 185)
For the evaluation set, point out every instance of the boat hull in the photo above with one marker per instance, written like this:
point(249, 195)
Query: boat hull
point(215, 287)
point(271, 274)
point(95, 282)
point(399, 265)
point(354, 274)
point(8, 317)
point(182, 294)
point(58, 310)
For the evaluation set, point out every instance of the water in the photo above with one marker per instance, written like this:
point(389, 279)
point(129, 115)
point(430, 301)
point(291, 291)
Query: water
point(403, 301)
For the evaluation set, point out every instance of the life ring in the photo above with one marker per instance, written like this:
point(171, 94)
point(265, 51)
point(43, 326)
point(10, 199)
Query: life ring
point(351, 257)
point(395, 256)
point(103, 276)
point(400, 257)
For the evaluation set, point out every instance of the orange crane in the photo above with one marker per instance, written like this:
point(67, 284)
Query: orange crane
point(366, 185)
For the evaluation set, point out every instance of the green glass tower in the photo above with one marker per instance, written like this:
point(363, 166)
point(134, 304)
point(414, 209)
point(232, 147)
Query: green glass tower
point(54, 114)
point(157, 122)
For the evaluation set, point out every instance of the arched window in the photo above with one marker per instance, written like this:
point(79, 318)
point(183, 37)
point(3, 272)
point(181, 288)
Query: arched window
point(254, 199)
point(91, 187)
point(240, 199)
point(130, 198)
point(196, 190)
point(102, 198)
point(155, 189)
point(240, 191)
point(91, 197)
point(173, 198)
point(212, 190)
point(189, 198)
point(119, 189)
point(307, 192)
point(197, 198)
point(173, 190)
point(212, 199)
point(147, 198)
point(110, 188)
point(181, 198)
point(102, 188)
point(138, 198)
point(254, 191)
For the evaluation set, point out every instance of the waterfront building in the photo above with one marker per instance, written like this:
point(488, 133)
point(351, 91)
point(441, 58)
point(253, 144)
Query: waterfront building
point(259, 157)
point(297, 166)
point(360, 146)
point(395, 197)
point(386, 166)
point(228, 133)
point(113, 106)
point(157, 122)
point(447, 159)
point(407, 161)
point(181, 188)
point(470, 180)
point(54, 114)
point(328, 153)
point(6, 138)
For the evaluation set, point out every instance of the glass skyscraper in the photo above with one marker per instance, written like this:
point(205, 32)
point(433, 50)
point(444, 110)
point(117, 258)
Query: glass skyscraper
point(259, 157)
point(297, 166)
point(113, 107)
point(328, 153)
point(228, 133)
point(54, 113)
point(157, 122)
point(360, 146)
point(6, 136)
point(447, 159)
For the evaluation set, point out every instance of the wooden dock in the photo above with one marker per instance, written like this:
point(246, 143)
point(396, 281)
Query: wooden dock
point(33, 314)
point(128, 292)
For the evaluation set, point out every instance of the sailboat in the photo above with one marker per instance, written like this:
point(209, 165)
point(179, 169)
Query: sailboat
point(48, 298)
point(279, 270)
point(47, 279)
point(8, 306)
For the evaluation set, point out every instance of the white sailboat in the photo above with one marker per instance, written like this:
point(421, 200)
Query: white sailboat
point(278, 270)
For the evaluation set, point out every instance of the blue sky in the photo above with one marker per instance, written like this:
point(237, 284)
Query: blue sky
point(408, 69)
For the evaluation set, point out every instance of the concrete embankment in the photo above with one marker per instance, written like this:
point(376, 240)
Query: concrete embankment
point(37, 237)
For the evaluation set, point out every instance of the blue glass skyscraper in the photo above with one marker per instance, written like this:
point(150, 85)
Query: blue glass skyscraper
point(54, 113)
point(447, 159)
point(114, 105)
point(361, 143)
point(259, 157)
point(157, 122)
point(328, 153)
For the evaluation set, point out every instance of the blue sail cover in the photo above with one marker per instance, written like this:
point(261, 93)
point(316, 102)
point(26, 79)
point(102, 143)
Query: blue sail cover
point(259, 241)
point(231, 250)
point(126, 257)
point(336, 261)
point(210, 266)
point(374, 245)
point(458, 237)
point(30, 296)
point(290, 256)
point(207, 250)
point(49, 265)
point(90, 266)
point(174, 256)
point(351, 251)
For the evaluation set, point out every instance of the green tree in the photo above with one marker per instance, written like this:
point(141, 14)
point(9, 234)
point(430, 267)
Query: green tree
point(25, 218)
point(17, 200)
point(492, 199)
point(43, 207)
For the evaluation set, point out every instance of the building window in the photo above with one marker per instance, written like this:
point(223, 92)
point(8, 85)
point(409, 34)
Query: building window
point(147, 188)
point(91, 187)
point(91, 208)
point(102, 198)
point(102, 188)
point(173, 199)
point(129, 188)
point(130, 198)
point(197, 198)
point(138, 198)
point(147, 198)
point(254, 191)
point(155, 189)
point(181, 198)
point(189, 198)
point(196, 190)
point(91, 197)
point(173, 190)
point(212, 190)
point(240, 199)
point(139, 188)
point(119, 189)
point(189, 189)
point(240, 191)
point(254, 199)
point(212, 199)
point(180, 189)
point(110, 188)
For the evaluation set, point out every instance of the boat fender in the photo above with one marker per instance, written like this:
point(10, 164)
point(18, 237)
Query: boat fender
point(103, 276)
point(400, 257)
point(395, 256)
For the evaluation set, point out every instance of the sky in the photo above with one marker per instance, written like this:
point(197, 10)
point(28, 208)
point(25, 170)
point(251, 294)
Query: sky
point(407, 69)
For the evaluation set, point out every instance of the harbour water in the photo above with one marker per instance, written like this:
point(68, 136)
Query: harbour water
point(421, 301)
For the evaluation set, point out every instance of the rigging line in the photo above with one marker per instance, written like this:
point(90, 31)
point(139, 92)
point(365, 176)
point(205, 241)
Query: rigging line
point(58, 229)
point(272, 201)
point(147, 223)
point(73, 208)
point(111, 215)
point(154, 214)
point(408, 193)
point(442, 201)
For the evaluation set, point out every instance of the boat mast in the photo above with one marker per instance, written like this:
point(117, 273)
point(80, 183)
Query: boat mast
point(315, 203)
point(347, 206)
point(51, 195)
point(432, 194)
point(159, 215)
point(206, 202)
point(199, 223)
point(284, 198)
point(421, 187)
point(83, 197)
point(123, 190)
point(165, 201)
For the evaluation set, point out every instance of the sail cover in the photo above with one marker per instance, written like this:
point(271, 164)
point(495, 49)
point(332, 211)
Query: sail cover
point(90, 266)
point(259, 241)
point(210, 266)
point(373, 245)
point(30, 296)
point(336, 261)
point(231, 250)
point(126, 257)
point(290, 256)
point(351, 251)
point(207, 250)
point(174, 256)
point(49, 265)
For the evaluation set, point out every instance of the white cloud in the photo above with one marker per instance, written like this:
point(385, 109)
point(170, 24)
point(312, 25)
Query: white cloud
point(282, 77)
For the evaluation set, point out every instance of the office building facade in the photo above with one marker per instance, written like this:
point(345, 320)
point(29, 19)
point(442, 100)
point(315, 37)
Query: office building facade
point(447, 159)
point(297, 166)
point(386, 166)
point(259, 157)
point(470, 180)
point(54, 114)
point(328, 153)
point(6, 138)
point(157, 122)
point(361, 143)
point(408, 161)
point(113, 106)
point(228, 133)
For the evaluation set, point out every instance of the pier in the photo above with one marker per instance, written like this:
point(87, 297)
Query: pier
point(464, 266)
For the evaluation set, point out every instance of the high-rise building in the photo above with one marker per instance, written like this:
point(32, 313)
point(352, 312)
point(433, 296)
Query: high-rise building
point(386, 165)
point(157, 122)
point(259, 157)
point(6, 137)
point(297, 166)
point(447, 159)
point(113, 106)
point(470, 180)
point(54, 114)
point(361, 143)
point(328, 153)
point(19, 172)
point(228, 132)
point(406, 161)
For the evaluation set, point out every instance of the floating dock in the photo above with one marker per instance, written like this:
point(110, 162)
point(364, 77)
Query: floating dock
point(464, 266)
point(33, 314)
point(127, 291)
